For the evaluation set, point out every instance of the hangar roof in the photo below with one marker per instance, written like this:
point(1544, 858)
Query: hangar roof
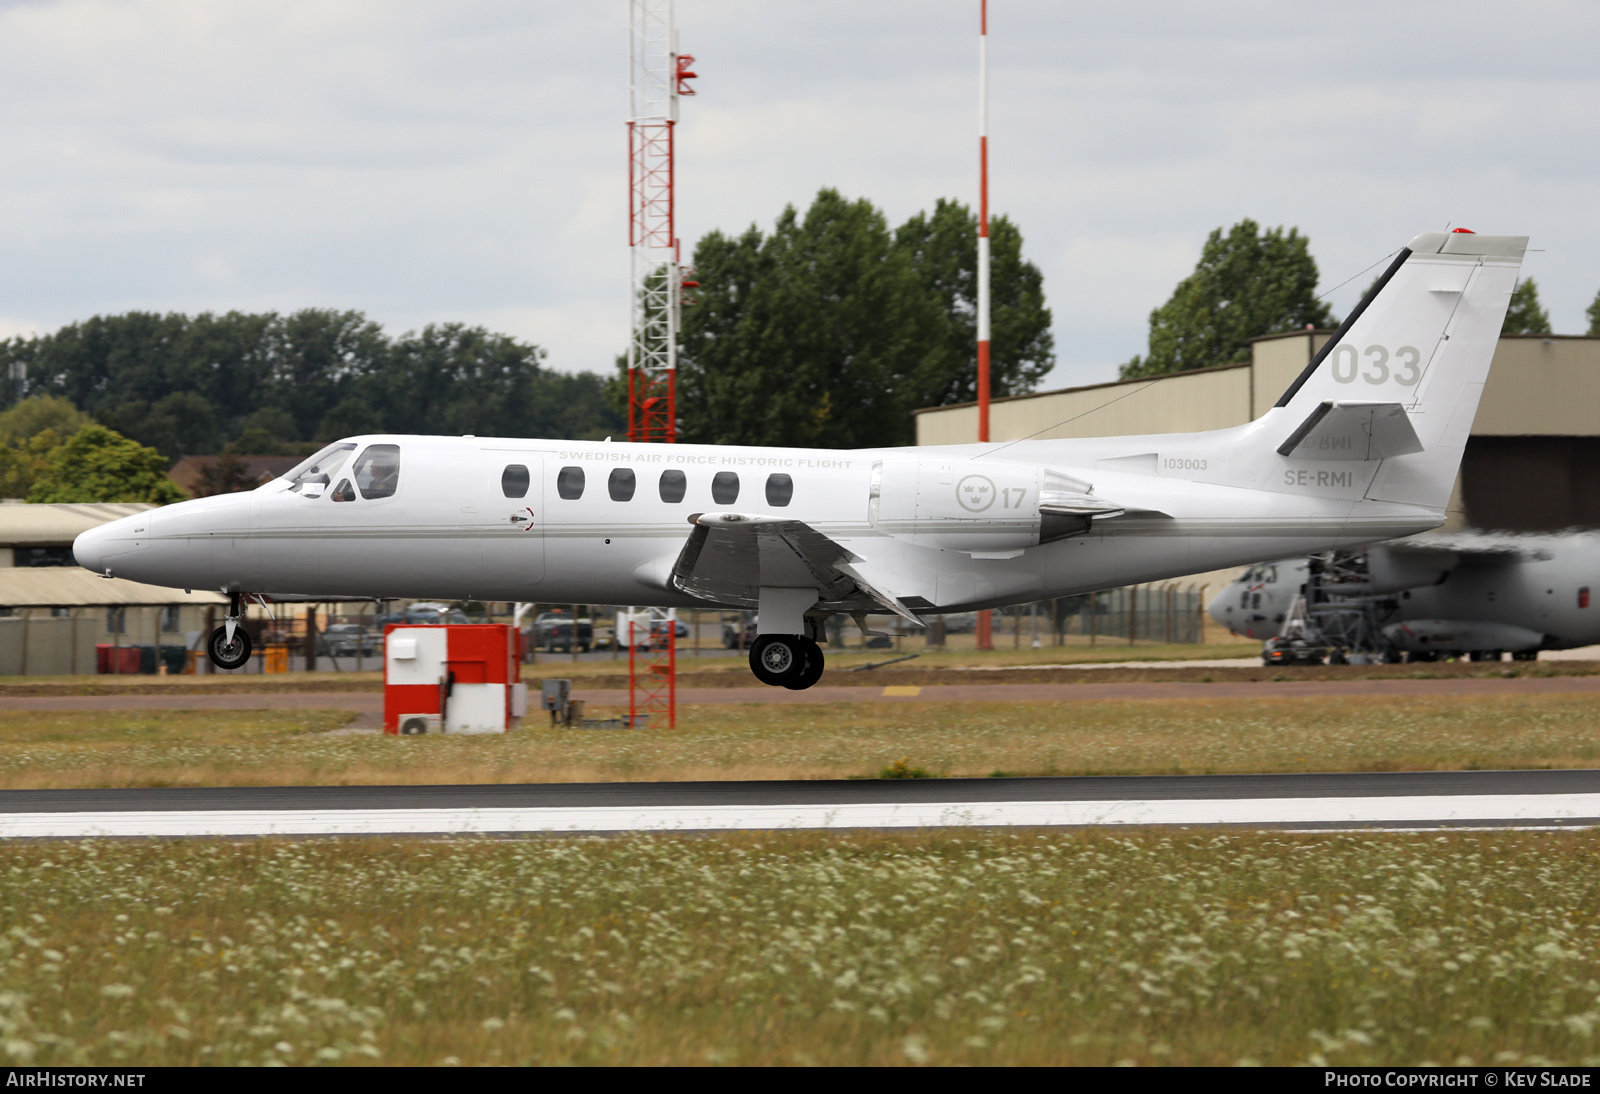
point(57, 525)
point(73, 587)
point(1539, 386)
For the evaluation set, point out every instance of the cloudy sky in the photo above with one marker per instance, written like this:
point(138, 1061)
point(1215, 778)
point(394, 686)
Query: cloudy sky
point(427, 161)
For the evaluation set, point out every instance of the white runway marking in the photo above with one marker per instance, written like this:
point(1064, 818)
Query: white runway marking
point(1521, 809)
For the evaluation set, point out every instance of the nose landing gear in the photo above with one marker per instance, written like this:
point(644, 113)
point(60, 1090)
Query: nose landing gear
point(229, 645)
point(790, 661)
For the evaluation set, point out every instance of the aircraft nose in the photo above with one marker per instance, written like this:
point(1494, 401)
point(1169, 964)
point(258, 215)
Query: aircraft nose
point(1216, 609)
point(89, 549)
point(112, 546)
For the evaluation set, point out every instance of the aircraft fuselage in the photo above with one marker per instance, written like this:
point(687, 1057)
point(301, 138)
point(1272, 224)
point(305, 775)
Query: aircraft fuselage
point(452, 528)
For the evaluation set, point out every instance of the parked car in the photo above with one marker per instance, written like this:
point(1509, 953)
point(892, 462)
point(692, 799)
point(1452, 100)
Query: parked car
point(658, 632)
point(424, 612)
point(1292, 651)
point(346, 639)
point(554, 632)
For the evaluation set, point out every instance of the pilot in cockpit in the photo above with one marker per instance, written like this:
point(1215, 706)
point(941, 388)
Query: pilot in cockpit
point(384, 473)
point(378, 471)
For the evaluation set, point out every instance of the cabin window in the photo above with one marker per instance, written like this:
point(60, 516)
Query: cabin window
point(378, 471)
point(344, 491)
point(725, 487)
point(1255, 601)
point(1244, 599)
point(569, 483)
point(514, 481)
point(1583, 597)
point(621, 484)
point(780, 488)
point(315, 475)
point(673, 485)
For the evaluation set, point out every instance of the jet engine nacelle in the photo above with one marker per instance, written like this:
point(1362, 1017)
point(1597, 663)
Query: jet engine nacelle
point(980, 506)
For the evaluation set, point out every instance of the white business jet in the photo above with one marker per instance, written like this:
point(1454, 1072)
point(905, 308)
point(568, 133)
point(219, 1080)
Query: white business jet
point(1364, 446)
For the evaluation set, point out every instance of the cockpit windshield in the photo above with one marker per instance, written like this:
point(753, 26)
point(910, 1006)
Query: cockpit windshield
point(312, 478)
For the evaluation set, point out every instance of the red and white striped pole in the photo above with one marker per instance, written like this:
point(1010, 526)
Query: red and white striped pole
point(985, 633)
point(983, 222)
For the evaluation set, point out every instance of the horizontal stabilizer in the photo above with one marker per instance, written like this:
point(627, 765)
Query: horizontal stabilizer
point(1352, 431)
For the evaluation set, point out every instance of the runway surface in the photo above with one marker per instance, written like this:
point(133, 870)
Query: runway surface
point(372, 702)
point(1385, 800)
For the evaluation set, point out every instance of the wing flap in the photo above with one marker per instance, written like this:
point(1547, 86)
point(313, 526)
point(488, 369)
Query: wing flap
point(730, 556)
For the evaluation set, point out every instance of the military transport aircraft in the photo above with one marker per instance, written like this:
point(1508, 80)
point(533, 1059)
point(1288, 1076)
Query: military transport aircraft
point(1437, 595)
point(1364, 446)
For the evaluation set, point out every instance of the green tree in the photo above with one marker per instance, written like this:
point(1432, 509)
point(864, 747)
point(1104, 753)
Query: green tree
point(226, 475)
point(1525, 315)
point(191, 384)
point(1248, 283)
point(1593, 312)
point(24, 461)
point(33, 416)
point(255, 442)
point(179, 424)
point(815, 335)
point(943, 248)
point(96, 464)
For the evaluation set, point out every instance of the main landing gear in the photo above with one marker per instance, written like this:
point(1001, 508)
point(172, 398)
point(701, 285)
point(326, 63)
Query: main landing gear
point(229, 646)
point(790, 661)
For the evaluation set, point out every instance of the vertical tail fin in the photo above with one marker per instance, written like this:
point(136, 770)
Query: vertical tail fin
point(1422, 340)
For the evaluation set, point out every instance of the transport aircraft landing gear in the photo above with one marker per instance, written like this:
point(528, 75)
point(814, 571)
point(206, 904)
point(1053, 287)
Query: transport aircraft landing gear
point(790, 661)
point(229, 646)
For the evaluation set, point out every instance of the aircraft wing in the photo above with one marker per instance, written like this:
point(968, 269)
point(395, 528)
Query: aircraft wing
point(730, 556)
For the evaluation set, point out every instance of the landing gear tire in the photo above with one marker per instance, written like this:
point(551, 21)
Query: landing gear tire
point(776, 659)
point(811, 672)
point(226, 655)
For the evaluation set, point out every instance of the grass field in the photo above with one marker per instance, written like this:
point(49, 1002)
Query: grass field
point(840, 740)
point(949, 947)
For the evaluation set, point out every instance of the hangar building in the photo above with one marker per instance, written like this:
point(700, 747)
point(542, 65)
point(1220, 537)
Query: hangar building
point(1530, 463)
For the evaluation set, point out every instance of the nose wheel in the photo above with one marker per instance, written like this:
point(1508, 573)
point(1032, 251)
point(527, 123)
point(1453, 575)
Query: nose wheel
point(790, 661)
point(225, 654)
point(229, 645)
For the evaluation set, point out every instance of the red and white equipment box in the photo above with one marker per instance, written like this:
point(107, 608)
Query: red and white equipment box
point(452, 678)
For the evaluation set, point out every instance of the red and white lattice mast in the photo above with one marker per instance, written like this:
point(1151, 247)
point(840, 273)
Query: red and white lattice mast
point(657, 76)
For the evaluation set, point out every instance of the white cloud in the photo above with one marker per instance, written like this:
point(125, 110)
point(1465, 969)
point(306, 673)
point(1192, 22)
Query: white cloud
point(434, 162)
